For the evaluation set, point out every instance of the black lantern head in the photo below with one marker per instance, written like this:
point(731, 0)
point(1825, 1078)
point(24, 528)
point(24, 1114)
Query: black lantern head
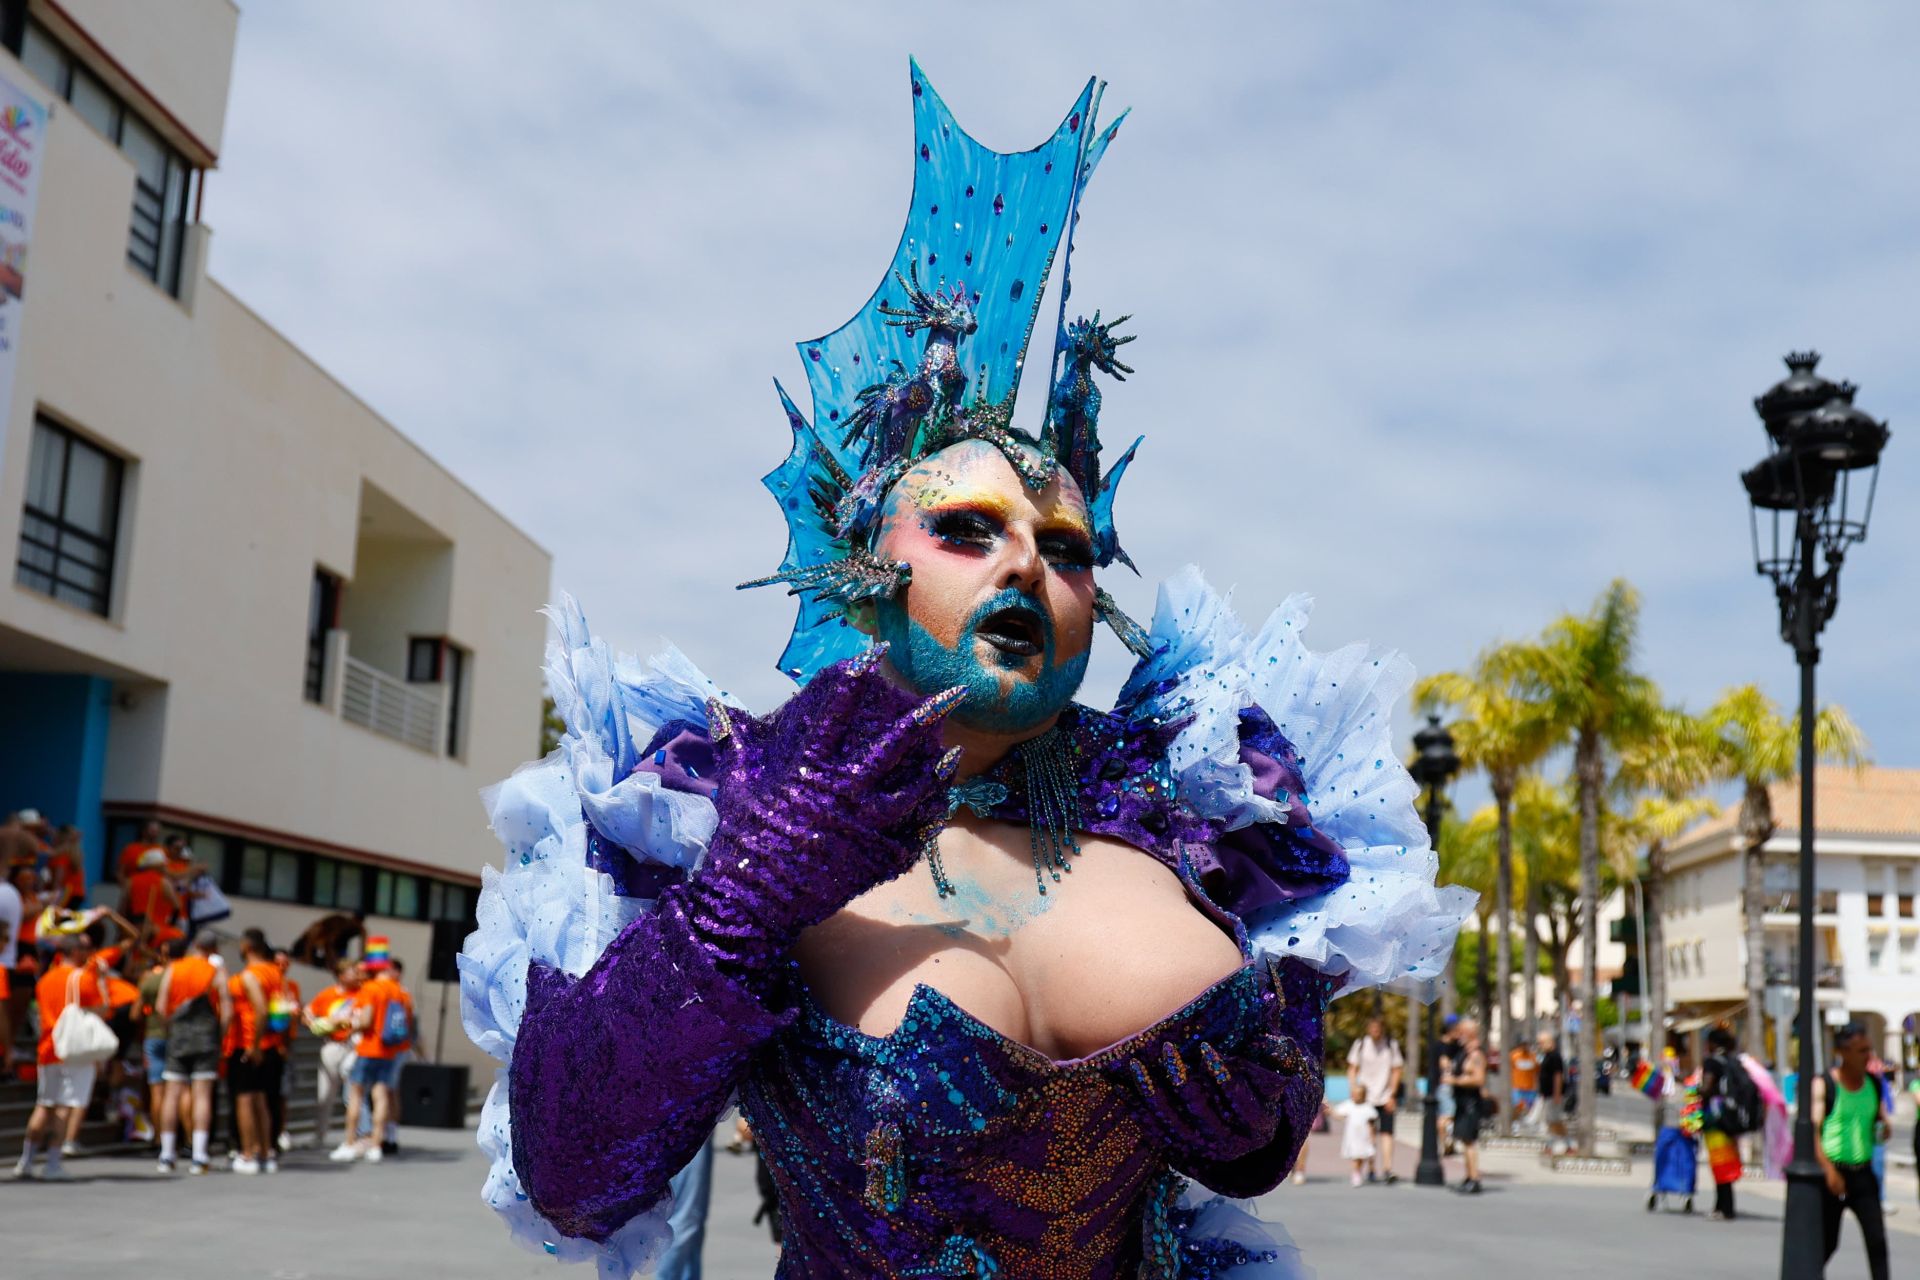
point(1435, 762)
point(1801, 391)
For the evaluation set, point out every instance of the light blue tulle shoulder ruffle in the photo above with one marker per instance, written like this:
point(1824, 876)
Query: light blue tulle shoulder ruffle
point(549, 905)
point(1388, 925)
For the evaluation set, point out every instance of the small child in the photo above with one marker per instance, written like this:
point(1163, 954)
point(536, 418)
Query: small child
point(1356, 1139)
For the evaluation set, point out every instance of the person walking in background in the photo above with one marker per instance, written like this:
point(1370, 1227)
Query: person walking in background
point(1852, 1115)
point(330, 1016)
point(1376, 1065)
point(390, 1136)
point(1523, 1064)
point(1469, 1081)
point(283, 1019)
point(383, 1023)
point(1732, 1107)
point(196, 1007)
point(62, 1086)
point(153, 1029)
point(1356, 1133)
point(1553, 1088)
point(253, 1054)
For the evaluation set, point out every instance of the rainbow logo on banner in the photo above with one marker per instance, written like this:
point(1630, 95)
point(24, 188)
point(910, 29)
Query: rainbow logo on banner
point(377, 955)
point(15, 119)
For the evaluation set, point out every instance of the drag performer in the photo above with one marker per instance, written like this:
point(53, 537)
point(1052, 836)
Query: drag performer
point(1005, 985)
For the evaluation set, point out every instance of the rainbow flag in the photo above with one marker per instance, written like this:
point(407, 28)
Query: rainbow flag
point(376, 955)
point(1647, 1080)
point(1723, 1154)
point(279, 1013)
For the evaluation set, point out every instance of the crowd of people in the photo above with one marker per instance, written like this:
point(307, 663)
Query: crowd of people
point(126, 1010)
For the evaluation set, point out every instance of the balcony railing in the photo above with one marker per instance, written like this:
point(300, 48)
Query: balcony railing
point(1827, 977)
point(1826, 902)
point(409, 713)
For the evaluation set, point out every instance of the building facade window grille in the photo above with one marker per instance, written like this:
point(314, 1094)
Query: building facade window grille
point(71, 524)
point(157, 225)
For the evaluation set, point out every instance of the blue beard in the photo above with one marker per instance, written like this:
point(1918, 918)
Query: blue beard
point(929, 667)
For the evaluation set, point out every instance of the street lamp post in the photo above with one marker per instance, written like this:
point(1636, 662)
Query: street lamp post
point(1434, 766)
point(1805, 487)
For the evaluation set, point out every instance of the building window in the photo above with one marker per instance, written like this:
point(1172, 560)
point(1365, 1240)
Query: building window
point(72, 519)
point(406, 897)
point(1876, 948)
point(323, 614)
point(1909, 952)
point(158, 224)
point(437, 660)
point(349, 893)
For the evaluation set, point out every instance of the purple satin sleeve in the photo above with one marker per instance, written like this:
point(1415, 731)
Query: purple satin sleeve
point(618, 1076)
point(1266, 864)
point(1298, 1019)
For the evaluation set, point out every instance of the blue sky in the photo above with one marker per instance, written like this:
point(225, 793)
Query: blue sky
point(1447, 314)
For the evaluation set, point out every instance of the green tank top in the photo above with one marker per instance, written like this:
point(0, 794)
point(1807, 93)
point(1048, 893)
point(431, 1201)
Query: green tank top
point(1846, 1135)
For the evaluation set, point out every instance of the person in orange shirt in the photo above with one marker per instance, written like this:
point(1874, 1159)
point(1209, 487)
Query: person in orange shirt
point(383, 1020)
point(62, 1086)
point(151, 902)
point(254, 1053)
point(197, 1007)
point(130, 853)
point(66, 869)
point(284, 1017)
point(330, 1015)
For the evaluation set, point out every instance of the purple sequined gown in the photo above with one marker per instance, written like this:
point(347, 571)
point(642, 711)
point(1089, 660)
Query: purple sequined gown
point(942, 1149)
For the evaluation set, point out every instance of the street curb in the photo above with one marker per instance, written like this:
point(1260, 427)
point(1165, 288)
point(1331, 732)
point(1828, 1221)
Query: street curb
point(1586, 1164)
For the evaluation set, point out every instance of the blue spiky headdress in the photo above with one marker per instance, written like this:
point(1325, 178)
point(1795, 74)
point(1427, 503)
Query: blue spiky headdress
point(919, 368)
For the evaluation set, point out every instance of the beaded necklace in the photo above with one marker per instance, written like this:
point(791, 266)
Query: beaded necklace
point(1048, 775)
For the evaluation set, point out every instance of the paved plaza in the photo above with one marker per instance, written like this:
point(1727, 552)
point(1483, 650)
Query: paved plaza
point(420, 1217)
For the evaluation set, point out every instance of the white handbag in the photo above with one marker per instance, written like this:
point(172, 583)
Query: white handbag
point(81, 1036)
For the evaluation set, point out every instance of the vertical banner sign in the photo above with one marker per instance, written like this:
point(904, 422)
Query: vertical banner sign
point(23, 140)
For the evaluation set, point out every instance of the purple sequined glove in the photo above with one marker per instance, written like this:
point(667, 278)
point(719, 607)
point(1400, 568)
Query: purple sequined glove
point(836, 792)
point(1233, 1118)
point(618, 1076)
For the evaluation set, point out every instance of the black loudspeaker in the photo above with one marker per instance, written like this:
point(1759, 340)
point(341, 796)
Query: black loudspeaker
point(433, 1096)
point(448, 936)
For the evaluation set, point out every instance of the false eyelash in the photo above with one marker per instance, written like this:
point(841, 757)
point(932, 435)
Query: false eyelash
point(962, 528)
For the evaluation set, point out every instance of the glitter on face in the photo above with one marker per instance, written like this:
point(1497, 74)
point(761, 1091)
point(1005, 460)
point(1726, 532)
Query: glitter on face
point(981, 544)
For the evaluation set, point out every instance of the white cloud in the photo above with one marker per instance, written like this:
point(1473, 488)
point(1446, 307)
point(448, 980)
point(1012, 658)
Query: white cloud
point(1448, 314)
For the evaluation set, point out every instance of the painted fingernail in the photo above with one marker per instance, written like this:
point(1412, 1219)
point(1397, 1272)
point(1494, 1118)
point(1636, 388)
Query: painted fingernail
point(1215, 1067)
point(1141, 1080)
point(939, 704)
point(1176, 1065)
point(949, 764)
point(719, 723)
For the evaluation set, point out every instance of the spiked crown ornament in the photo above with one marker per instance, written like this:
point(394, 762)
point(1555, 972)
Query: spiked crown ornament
point(918, 369)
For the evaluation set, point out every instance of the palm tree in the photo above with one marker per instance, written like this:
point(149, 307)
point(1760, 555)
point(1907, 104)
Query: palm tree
point(1547, 840)
point(1468, 858)
point(1757, 746)
point(1503, 736)
point(1667, 770)
point(1580, 674)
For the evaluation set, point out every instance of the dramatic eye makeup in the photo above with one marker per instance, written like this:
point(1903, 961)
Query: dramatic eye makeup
point(965, 526)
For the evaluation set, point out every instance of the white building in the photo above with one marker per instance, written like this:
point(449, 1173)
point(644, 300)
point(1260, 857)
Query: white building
point(240, 602)
point(1867, 869)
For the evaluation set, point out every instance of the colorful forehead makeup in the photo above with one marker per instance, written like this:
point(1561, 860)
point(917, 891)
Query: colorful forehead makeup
point(917, 369)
